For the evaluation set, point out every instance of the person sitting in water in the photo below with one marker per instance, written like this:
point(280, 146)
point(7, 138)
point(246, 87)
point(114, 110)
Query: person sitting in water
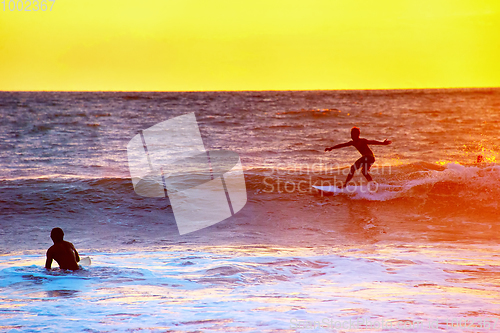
point(367, 158)
point(63, 252)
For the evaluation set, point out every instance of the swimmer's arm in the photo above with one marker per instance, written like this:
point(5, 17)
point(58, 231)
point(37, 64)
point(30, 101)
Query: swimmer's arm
point(77, 257)
point(341, 145)
point(48, 262)
point(382, 143)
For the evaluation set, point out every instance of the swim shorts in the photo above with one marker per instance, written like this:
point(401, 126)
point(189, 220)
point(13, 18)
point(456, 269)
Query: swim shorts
point(364, 162)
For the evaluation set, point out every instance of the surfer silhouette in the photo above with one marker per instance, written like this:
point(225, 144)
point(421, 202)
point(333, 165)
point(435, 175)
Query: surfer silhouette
point(367, 158)
point(63, 252)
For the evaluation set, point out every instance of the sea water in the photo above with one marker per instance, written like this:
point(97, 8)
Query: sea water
point(420, 254)
point(258, 288)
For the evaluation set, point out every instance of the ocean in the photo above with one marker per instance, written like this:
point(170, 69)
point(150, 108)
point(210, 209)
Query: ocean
point(420, 254)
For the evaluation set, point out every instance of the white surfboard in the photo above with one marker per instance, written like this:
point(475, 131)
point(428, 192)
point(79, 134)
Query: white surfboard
point(347, 190)
point(85, 261)
point(350, 189)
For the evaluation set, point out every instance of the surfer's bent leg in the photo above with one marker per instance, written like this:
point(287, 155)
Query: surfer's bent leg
point(367, 164)
point(354, 167)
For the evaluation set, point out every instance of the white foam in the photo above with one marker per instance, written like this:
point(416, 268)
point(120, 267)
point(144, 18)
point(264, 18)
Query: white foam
point(471, 178)
point(223, 289)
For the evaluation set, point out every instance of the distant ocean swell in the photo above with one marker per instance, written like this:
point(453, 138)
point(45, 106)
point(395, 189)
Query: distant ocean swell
point(468, 188)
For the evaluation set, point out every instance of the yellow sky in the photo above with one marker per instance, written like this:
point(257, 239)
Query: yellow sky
point(178, 45)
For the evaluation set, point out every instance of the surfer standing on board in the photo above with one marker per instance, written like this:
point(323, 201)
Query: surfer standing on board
point(367, 158)
point(64, 253)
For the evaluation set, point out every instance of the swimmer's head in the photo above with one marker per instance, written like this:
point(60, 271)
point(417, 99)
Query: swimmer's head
point(355, 133)
point(57, 235)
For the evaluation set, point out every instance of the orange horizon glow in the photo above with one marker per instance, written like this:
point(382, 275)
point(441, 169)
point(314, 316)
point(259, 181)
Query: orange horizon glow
point(221, 45)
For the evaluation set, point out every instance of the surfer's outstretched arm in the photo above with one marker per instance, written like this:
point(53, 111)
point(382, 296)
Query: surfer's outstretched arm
point(341, 145)
point(375, 142)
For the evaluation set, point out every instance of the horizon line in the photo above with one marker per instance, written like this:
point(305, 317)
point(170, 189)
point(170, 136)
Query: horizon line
point(265, 90)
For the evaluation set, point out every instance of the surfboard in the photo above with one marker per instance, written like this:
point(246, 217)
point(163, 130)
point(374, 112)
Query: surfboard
point(347, 190)
point(350, 189)
point(85, 261)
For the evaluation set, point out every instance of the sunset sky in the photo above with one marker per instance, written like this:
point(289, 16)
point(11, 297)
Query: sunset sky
point(186, 45)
